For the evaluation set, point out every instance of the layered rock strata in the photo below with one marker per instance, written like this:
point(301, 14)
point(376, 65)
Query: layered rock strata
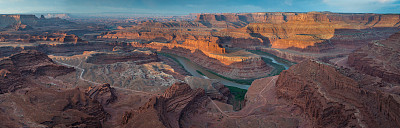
point(43, 107)
point(213, 89)
point(16, 68)
point(27, 38)
point(368, 19)
point(139, 56)
point(330, 97)
point(379, 58)
point(293, 31)
point(16, 20)
point(28, 102)
point(236, 67)
point(166, 110)
point(102, 93)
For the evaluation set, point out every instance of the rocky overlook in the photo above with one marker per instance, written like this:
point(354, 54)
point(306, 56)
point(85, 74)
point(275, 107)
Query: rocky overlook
point(166, 110)
point(17, 68)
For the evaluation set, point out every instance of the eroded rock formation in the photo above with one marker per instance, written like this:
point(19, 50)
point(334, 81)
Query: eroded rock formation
point(333, 97)
point(293, 31)
point(42, 107)
point(56, 37)
point(166, 110)
point(139, 56)
point(28, 102)
point(242, 66)
point(376, 20)
point(7, 20)
point(16, 68)
point(102, 93)
point(213, 89)
point(379, 58)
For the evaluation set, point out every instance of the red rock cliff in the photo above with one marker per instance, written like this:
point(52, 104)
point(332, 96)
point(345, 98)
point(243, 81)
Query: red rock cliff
point(332, 98)
point(15, 68)
point(166, 110)
point(379, 58)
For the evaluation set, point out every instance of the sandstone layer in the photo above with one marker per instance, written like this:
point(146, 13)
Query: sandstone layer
point(10, 20)
point(235, 66)
point(379, 58)
point(295, 30)
point(102, 93)
point(212, 88)
point(333, 97)
point(376, 20)
point(42, 107)
point(27, 38)
point(166, 110)
point(138, 69)
point(32, 95)
point(16, 68)
point(139, 56)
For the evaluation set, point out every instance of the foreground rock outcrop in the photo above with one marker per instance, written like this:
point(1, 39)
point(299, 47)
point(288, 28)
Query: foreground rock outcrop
point(102, 93)
point(42, 107)
point(212, 88)
point(333, 97)
point(31, 97)
point(16, 69)
point(166, 110)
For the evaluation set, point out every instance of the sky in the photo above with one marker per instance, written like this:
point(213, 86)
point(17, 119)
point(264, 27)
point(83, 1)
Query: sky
point(184, 7)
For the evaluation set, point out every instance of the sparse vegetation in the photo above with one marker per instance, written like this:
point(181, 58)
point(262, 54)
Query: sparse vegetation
point(277, 68)
point(200, 73)
point(237, 92)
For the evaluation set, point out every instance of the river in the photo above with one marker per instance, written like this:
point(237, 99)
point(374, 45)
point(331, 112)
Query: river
point(192, 67)
point(274, 61)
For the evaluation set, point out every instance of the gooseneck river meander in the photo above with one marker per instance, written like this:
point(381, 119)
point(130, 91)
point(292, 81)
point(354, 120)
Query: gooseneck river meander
point(192, 67)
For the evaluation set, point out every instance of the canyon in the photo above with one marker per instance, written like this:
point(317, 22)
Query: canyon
point(267, 69)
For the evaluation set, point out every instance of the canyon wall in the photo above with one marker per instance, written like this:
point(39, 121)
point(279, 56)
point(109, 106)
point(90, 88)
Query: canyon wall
point(369, 19)
point(15, 69)
point(14, 21)
point(236, 67)
point(309, 32)
point(23, 88)
point(141, 57)
point(7, 20)
point(166, 110)
point(27, 38)
point(333, 97)
point(379, 58)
